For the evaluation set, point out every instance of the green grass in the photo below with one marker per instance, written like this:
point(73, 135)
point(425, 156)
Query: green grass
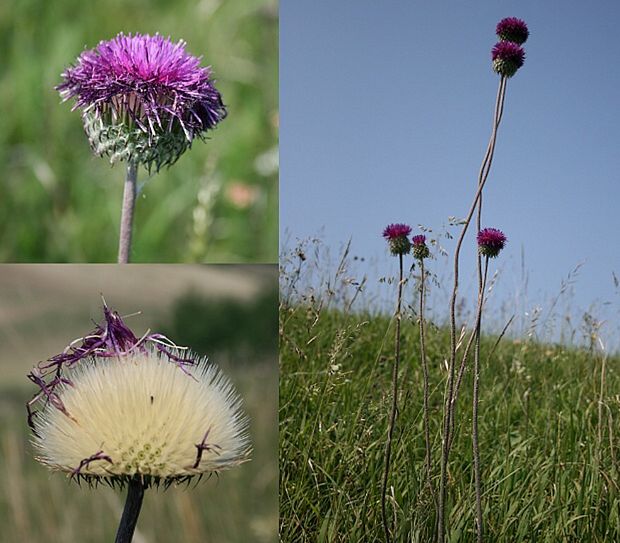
point(61, 204)
point(547, 477)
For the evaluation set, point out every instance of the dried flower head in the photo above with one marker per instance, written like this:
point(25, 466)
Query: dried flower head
point(116, 407)
point(507, 57)
point(143, 98)
point(512, 29)
point(397, 236)
point(420, 249)
point(490, 242)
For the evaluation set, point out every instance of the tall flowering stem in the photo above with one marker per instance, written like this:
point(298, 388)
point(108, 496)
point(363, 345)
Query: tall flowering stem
point(448, 404)
point(392, 422)
point(397, 236)
point(476, 402)
point(420, 252)
point(507, 58)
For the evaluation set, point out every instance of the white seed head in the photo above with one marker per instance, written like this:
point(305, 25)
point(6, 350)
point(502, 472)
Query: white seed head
point(143, 415)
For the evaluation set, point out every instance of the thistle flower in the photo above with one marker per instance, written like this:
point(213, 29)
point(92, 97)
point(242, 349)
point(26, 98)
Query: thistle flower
point(143, 98)
point(115, 407)
point(507, 58)
point(420, 249)
point(397, 237)
point(512, 29)
point(490, 242)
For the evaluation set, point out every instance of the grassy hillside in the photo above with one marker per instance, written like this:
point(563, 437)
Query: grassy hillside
point(548, 447)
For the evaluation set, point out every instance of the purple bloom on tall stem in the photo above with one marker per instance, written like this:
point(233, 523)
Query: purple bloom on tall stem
point(397, 236)
point(420, 249)
point(490, 242)
point(507, 58)
point(143, 98)
point(512, 29)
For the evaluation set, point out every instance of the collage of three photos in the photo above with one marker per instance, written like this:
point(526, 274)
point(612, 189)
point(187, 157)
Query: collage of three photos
point(409, 332)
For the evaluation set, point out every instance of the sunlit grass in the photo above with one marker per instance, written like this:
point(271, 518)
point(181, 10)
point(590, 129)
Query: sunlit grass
point(548, 452)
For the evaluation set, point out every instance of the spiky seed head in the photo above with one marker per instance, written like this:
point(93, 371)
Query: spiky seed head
point(143, 98)
point(507, 58)
point(141, 415)
point(397, 238)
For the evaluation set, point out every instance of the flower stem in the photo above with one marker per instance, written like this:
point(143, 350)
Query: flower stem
point(448, 404)
point(388, 445)
point(427, 437)
point(129, 202)
point(127, 526)
point(476, 401)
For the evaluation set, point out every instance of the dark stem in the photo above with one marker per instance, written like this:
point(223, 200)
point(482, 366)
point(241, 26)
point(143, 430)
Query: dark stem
point(476, 401)
point(388, 445)
point(127, 526)
point(129, 202)
point(448, 404)
point(427, 436)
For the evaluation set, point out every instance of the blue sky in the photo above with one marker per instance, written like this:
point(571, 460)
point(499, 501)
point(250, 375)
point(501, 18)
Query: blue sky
point(386, 112)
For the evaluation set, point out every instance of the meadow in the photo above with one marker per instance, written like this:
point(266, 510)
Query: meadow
point(60, 203)
point(547, 424)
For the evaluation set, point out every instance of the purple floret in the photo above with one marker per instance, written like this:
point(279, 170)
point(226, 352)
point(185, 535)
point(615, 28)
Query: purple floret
point(397, 230)
point(512, 29)
point(149, 79)
point(419, 239)
point(112, 338)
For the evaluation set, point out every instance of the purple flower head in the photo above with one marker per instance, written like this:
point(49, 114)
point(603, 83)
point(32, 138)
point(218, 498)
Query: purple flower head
point(420, 250)
point(490, 242)
point(512, 29)
point(143, 98)
point(398, 230)
point(397, 236)
point(507, 58)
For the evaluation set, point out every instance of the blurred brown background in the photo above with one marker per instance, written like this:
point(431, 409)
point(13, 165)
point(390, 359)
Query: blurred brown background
point(226, 312)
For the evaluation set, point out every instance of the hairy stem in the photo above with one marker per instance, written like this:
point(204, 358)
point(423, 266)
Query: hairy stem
point(427, 436)
point(127, 526)
point(129, 202)
point(448, 404)
point(476, 401)
point(388, 444)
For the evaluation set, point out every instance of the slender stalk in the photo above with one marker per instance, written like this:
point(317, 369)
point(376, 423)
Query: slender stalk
point(129, 519)
point(600, 407)
point(388, 445)
point(448, 404)
point(427, 436)
point(129, 202)
point(476, 401)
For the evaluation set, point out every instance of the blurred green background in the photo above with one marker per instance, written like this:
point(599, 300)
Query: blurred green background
point(59, 203)
point(44, 307)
